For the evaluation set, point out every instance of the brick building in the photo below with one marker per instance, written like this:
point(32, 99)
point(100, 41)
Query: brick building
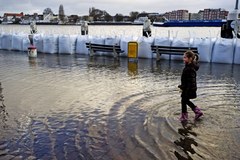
point(206, 14)
point(214, 14)
point(177, 15)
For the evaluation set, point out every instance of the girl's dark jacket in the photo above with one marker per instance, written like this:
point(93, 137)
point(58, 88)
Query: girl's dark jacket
point(188, 81)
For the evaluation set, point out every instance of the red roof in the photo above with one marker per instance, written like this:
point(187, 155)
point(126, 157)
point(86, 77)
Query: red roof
point(13, 14)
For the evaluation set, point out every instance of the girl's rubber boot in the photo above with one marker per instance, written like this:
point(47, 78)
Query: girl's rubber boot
point(184, 117)
point(198, 113)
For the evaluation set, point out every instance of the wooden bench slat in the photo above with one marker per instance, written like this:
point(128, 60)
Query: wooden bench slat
point(103, 47)
point(171, 50)
point(106, 49)
point(116, 49)
point(172, 53)
point(171, 46)
point(174, 50)
point(177, 47)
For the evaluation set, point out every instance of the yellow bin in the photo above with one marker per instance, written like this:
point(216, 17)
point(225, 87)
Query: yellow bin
point(132, 49)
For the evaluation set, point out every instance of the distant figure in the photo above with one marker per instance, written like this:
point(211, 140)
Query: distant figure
point(147, 28)
point(33, 27)
point(188, 85)
point(226, 31)
point(33, 30)
point(84, 28)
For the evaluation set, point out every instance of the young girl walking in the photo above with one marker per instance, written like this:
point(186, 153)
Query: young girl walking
point(189, 86)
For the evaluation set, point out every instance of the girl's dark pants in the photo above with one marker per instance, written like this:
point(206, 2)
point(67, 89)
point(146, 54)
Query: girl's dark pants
point(186, 101)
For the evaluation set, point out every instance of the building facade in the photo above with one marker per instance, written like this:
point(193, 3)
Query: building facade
point(177, 15)
point(10, 16)
point(206, 14)
point(214, 14)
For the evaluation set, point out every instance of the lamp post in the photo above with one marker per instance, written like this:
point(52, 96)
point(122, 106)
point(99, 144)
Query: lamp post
point(236, 5)
point(236, 20)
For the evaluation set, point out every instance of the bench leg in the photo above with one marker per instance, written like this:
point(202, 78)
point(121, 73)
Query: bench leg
point(91, 52)
point(158, 56)
point(115, 54)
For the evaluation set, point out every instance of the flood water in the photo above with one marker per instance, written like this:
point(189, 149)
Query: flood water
point(77, 107)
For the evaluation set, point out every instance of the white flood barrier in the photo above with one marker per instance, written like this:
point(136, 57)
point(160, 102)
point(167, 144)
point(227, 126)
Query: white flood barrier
point(81, 44)
point(0, 40)
point(50, 43)
point(38, 42)
point(177, 42)
point(17, 42)
point(25, 42)
point(236, 59)
point(112, 41)
point(217, 50)
point(6, 41)
point(67, 44)
point(204, 46)
point(223, 51)
point(144, 47)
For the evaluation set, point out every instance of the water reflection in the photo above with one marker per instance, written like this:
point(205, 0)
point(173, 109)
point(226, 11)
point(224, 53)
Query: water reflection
point(103, 62)
point(132, 68)
point(186, 142)
point(3, 111)
point(32, 61)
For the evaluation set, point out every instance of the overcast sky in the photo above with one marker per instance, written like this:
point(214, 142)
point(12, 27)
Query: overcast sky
point(81, 7)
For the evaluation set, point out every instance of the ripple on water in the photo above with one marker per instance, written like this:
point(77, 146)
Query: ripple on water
point(73, 107)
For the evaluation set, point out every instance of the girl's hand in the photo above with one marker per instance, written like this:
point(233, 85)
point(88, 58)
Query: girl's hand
point(180, 86)
point(180, 90)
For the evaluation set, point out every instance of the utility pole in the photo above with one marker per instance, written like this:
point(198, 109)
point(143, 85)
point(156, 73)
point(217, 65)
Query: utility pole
point(236, 26)
point(236, 6)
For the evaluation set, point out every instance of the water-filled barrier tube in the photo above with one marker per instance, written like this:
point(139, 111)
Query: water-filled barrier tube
point(217, 50)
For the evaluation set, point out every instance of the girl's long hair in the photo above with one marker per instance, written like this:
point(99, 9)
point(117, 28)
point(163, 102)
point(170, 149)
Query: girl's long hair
point(191, 55)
